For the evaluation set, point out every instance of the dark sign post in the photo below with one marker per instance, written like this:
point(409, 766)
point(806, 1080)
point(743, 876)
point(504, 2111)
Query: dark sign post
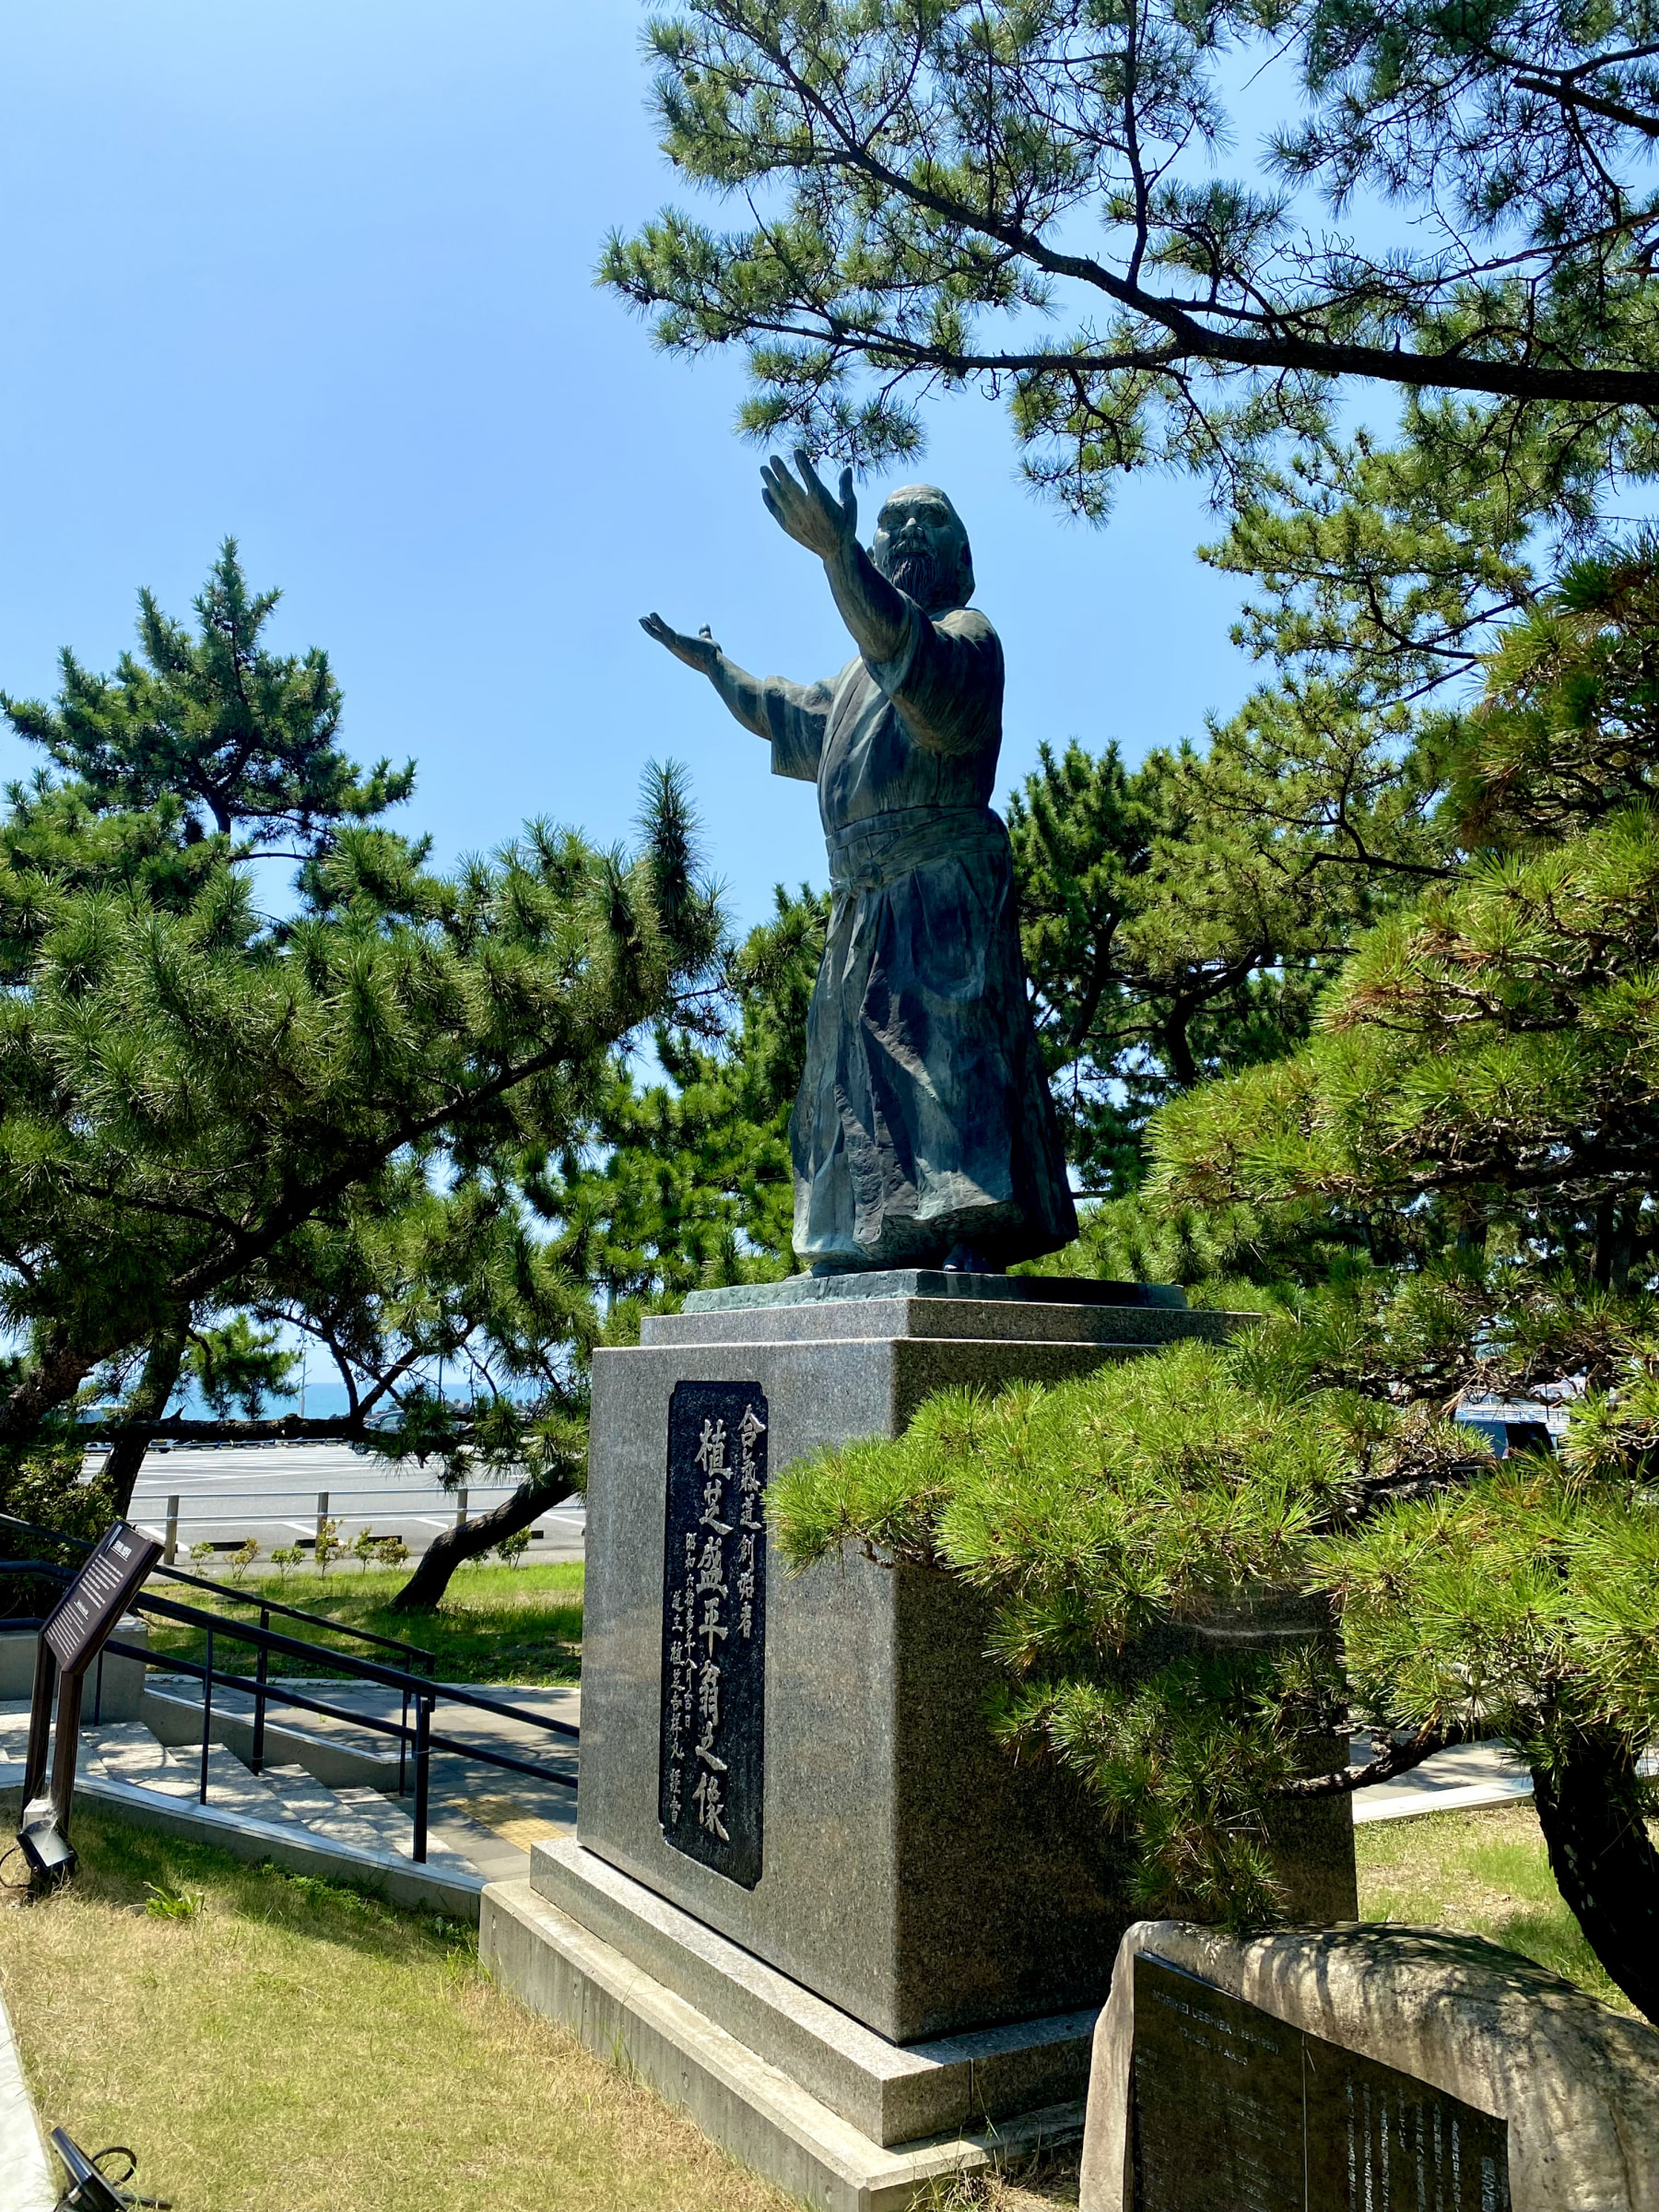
point(77, 1630)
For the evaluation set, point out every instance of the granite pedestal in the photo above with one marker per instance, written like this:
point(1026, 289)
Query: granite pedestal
point(932, 1928)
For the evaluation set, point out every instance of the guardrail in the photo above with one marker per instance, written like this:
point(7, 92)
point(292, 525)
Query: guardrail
point(417, 1736)
point(321, 1505)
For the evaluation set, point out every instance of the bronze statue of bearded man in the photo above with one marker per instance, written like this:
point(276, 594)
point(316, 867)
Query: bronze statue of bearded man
point(924, 1134)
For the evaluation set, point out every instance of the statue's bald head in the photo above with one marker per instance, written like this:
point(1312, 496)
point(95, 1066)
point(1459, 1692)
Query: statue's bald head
point(922, 547)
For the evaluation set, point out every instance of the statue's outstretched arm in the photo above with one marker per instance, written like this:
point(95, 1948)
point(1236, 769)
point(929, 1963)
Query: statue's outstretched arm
point(742, 692)
point(793, 718)
point(874, 610)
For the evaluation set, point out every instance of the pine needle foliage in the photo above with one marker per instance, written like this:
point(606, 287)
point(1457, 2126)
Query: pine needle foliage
point(1166, 940)
point(215, 1121)
point(1109, 1523)
point(1454, 1181)
point(668, 1185)
point(1182, 919)
point(1053, 206)
point(242, 739)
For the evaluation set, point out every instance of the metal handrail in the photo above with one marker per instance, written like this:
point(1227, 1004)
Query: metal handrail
point(249, 1685)
point(425, 1691)
point(273, 1639)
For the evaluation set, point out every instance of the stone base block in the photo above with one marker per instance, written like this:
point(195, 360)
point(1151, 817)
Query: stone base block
point(891, 2092)
point(909, 1872)
point(753, 2108)
point(1576, 2084)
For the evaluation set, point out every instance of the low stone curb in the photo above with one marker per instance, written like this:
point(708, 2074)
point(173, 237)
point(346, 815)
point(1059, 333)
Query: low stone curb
point(25, 2183)
point(399, 1879)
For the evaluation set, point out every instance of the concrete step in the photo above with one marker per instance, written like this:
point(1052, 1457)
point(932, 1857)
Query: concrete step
point(126, 1751)
point(14, 1743)
point(395, 1825)
point(360, 1818)
point(356, 1817)
point(313, 1805)
point(333, 1751)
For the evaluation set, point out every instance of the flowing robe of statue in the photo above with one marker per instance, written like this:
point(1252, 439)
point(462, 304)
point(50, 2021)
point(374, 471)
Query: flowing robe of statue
point(924, 1119)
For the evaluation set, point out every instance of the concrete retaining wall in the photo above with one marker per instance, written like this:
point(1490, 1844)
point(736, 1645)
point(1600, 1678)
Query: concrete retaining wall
point(123, 1678)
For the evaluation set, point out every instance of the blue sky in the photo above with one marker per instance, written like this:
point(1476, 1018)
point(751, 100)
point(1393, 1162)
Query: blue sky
point(320, 275)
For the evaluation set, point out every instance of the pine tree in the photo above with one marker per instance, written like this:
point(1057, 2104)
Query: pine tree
point(1165, 940)
point(1470, 1132)
point(688, 1180)
point(214, 1121)
point(242, 738)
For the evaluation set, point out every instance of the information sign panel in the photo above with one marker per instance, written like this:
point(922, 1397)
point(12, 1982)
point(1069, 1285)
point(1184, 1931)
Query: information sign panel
point(88, 1611)
point(710, 1777)
point(1235, 2111)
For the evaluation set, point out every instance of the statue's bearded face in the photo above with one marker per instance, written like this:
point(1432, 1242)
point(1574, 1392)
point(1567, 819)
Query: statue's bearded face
point(921, 547)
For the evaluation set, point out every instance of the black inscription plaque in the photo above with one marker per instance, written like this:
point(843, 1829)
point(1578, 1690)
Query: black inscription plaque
point(1234, 2111)
point(81, 1622)
point(710, 1777)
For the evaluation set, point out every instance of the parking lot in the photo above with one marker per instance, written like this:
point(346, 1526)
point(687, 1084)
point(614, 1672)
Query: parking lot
point(276, 1493)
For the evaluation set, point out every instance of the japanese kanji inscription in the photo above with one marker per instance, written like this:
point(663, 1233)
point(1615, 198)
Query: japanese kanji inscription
point(1234, 2107)
point(711, 1782)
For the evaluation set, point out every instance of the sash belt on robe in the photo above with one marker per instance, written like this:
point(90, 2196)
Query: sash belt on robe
point(921, 1001)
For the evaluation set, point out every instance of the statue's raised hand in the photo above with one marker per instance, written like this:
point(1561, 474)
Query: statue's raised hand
point(699, 652)
point(808, 510)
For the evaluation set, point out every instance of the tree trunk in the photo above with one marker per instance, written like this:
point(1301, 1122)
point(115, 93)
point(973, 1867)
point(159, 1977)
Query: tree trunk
point(425, 1588)
point(147, 1403)
point(57, 1374)
point(1603, 1861)
point(1614, 1236)
point(1178, 1045)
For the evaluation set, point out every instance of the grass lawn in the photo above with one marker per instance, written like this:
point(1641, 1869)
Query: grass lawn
point(495, 1624)
point(1485, 1873)
point(288, 2044)
point(265, 2040)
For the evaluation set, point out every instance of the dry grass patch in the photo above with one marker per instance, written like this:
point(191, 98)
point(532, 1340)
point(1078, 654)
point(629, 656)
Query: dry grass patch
point(281, 2041)
point(1036, 2184)
point(1485, 1873)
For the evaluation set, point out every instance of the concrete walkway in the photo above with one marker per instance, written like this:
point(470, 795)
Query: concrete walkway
point(1467, 1776)
point(26, 2183)
point(480, 1822)
point(501, 1812)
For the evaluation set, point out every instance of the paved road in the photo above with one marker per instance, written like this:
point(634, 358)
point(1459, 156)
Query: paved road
point(271, 1491)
